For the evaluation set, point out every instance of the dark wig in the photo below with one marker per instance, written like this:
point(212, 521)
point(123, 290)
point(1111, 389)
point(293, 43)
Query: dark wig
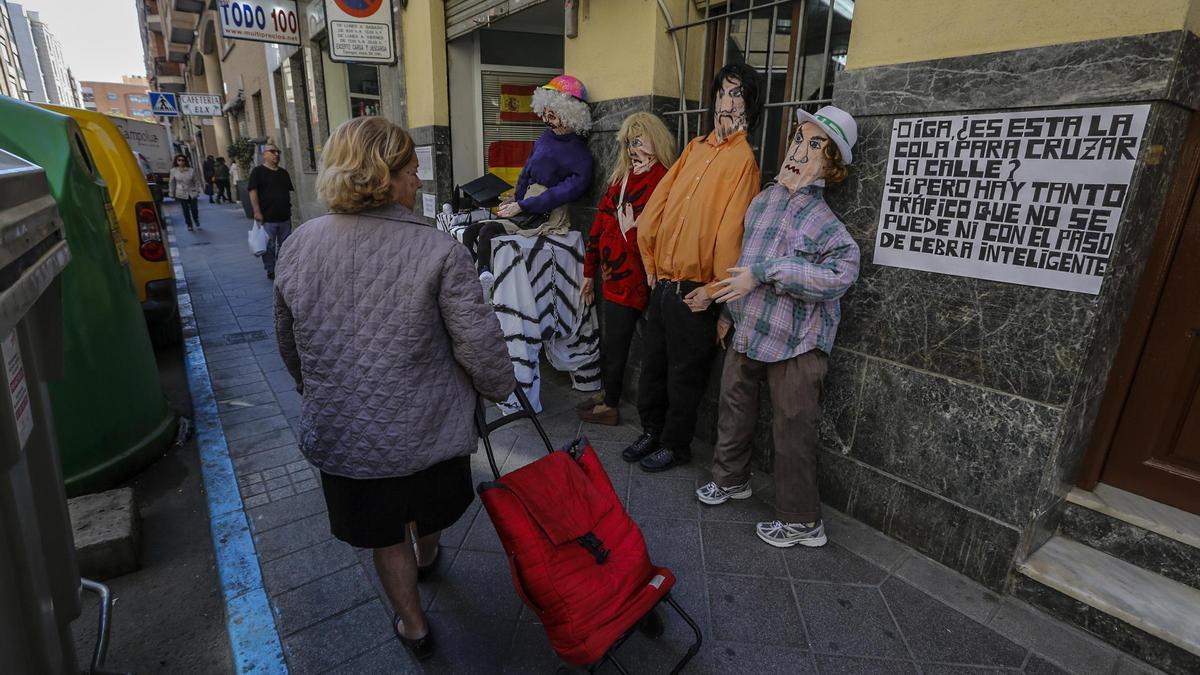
point(748, 77)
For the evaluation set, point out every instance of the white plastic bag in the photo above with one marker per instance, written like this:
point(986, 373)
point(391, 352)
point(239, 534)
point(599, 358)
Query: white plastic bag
point(257, 238)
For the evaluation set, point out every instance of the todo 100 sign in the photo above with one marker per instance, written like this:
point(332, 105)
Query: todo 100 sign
point(264, 21)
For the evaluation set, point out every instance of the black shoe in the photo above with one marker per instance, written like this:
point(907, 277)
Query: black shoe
point(422, 647)
point(191, 229)
point(271, 275)
point(644, 445)
point(662, 460)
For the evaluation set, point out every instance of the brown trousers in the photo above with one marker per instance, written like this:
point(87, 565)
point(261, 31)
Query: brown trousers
point(795, 386)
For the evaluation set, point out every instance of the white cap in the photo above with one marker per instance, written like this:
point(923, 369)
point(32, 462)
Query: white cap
point(838, 124)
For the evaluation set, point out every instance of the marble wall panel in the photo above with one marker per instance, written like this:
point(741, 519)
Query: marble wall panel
point(959, 538)
point(1185, 84)
point(978, 447)
point(442, 185)
point(1116, 70)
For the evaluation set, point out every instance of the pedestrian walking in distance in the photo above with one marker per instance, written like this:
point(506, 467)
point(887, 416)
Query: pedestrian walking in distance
point(270, 189)
point(221, 180)
point(209, 167)
point(381, 320)
point(185, 186)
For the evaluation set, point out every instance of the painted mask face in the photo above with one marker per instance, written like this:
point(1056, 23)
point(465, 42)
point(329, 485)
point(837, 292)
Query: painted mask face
point(804, 162)
point(554, 123)
point(730, 109)
point(641, 153)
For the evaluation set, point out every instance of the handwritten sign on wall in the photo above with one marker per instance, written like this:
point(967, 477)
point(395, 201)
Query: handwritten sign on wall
point(1022, 197)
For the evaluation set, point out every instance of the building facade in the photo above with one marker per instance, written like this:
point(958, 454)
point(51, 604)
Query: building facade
point(52, 68)
point(128, 97)
point(12, 72)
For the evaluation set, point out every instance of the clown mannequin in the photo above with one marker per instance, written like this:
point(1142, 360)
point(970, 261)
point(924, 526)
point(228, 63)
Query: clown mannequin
point(690, 234)
point(613, 251)
point(797, 260)
point(558, 171)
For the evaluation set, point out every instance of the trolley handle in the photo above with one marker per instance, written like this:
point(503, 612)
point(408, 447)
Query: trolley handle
point(485, 428)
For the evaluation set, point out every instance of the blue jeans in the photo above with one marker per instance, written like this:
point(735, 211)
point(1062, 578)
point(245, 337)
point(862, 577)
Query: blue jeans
point(276, 233)
point(191, 211)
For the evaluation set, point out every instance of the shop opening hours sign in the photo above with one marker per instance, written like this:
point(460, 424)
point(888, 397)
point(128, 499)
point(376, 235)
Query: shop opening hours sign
point(1028, 198)
point(274, 21)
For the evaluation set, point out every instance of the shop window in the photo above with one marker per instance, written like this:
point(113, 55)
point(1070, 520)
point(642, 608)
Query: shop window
point(510, 126)
point(363, 86)
point(797, 47)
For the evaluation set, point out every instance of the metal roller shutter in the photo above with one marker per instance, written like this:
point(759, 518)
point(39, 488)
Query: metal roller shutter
point(464, 16)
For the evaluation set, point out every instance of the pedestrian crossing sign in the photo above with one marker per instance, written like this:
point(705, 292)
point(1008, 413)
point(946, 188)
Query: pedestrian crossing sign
point(164, 104)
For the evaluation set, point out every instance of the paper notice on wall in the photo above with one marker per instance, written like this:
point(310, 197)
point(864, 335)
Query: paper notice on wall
point(1029, 198)
point(429, 205)
point(425, 162)
point(361, 31)
point(18, 389)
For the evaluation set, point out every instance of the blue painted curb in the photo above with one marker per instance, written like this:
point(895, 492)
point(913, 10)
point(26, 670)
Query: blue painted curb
point(253, 638)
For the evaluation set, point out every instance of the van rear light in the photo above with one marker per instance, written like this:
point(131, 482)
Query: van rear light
point(149, 232)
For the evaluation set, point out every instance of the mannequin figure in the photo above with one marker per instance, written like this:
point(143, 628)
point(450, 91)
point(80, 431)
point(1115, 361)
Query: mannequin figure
point(649, 150)
point(690, 234)
point(797, 260)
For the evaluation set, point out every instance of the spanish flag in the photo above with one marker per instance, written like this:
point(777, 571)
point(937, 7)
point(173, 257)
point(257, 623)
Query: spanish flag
point(516, 103)
point(505, 159)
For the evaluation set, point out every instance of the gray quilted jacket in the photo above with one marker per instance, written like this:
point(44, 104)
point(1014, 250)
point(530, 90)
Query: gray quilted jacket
point(382, 322)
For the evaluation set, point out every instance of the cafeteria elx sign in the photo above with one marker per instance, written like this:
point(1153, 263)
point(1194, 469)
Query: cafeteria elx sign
point(361, 31)
point(200, 105)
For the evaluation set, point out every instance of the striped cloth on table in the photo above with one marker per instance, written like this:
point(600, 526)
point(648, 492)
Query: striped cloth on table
point(536, 297)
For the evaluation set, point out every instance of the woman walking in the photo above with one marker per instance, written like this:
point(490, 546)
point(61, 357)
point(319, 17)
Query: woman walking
point(185, 187)
point(647, 151)
point(382, 323)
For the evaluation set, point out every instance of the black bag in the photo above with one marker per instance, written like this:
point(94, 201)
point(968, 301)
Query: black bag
point(208, 189)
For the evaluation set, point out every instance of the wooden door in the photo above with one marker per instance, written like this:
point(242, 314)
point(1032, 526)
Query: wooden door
point(1155, 450)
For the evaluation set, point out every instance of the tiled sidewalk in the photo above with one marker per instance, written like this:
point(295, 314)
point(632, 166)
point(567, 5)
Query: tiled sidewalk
point(862, 604)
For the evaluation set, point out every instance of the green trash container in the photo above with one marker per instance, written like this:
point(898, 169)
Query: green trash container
point(110, 415)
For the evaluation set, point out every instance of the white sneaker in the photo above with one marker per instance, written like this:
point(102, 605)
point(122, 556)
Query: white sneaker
point(785, 535)
point(488, 281)
point(713, 494)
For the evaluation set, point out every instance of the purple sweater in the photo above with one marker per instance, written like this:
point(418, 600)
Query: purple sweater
point(563, 164)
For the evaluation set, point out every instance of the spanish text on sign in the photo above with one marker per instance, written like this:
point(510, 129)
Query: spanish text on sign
point(1031, 198)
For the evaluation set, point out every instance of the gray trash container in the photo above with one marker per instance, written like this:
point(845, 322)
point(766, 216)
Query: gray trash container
point(39, 578)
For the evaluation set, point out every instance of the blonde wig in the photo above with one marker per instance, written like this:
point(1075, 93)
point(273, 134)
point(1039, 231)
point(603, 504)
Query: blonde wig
point(358, 163)
point(650, 126)
point(574, 113)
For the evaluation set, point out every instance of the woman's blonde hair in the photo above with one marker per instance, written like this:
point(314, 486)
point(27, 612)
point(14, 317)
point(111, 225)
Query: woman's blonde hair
point(358, 163)
point(650, 126)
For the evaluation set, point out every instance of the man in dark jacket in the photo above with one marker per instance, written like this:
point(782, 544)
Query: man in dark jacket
point(208, 177)
point(221, 180)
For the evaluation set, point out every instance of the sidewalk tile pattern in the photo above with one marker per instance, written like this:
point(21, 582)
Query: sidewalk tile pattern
point(861, 604)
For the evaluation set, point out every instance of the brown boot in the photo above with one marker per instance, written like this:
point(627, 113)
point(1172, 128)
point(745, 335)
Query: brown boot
point(590, 402)
point(601, 414)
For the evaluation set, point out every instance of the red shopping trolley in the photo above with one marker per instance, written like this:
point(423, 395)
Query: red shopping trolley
point(577, 559)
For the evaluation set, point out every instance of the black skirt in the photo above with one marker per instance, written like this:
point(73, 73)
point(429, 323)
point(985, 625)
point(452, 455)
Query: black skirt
point(375, 512)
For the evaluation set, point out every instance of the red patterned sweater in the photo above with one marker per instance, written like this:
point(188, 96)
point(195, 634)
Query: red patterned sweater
point(616, 255)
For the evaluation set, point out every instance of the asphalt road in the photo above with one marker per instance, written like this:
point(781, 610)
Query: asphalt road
point(168, 616)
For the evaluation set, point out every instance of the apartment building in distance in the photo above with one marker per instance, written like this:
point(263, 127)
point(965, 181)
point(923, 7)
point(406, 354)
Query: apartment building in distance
point(127, 97)
point(12, 77)
point(42, 56)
